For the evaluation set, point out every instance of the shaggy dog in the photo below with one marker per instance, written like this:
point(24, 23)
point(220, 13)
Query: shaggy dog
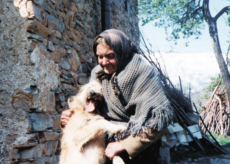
point(83, 140)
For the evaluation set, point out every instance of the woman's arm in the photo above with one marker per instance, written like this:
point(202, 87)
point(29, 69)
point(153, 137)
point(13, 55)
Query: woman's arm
point(135, 145)
point(114, 148)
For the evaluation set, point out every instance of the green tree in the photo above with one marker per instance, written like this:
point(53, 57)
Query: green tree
point(214, 82)
point(187, 17)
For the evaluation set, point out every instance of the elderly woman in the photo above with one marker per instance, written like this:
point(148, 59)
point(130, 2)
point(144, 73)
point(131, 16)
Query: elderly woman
point(134, 96)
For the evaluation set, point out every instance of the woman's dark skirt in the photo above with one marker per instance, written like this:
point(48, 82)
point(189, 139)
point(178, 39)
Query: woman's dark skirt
point(149, 156)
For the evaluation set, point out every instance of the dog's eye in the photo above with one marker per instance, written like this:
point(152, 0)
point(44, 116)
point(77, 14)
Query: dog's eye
point(70, 99)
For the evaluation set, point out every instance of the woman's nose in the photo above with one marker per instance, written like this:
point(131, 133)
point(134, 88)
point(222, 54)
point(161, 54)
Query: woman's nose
point(105, 61)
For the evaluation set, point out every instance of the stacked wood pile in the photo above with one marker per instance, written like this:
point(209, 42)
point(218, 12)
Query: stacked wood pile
point(216, 113)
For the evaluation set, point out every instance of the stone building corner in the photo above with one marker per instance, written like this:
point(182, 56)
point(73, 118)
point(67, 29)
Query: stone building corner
point(45, 56)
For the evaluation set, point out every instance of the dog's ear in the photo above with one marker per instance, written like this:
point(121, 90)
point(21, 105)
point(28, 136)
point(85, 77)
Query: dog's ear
point(74, 102)
point(70, 100)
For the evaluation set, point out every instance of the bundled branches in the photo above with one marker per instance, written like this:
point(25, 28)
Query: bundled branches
point(216, 111)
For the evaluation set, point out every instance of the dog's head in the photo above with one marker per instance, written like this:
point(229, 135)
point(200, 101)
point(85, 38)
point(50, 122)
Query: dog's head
point(90, 97)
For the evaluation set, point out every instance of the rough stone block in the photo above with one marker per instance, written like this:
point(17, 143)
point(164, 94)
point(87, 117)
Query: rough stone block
point(56, 121)
point(47, 160)
point(72, 24)
point(68, 79)
point(68, 86)
point(34, 36)
point(47, 7)
point(53, 159)
point(67, 47)
point(50, 102)
point(57, 34)
point(40, 121)
point(55, 24)
point(28, 140)
point(83, 58)
point(58, 54)
point(79, 23)
point(32, 153)
point(75, 45)
point(41, 160)
point(50, 46)
point(47, 75)
point(21, 100)
point(83, 80)
point(77, 39)
point(84, 68)
point(74, 60)
point(38, 2)
point(50, 148)
point(61, 97)
point(45, 42)
point(75, 78)
point(56, 41)
point(69, 51)
point(14, 154)
point(64, 105)
point(50, 136)
point(64, 64)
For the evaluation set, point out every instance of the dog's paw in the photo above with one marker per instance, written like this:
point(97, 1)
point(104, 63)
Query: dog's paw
point(121, 129)
point(117, 129)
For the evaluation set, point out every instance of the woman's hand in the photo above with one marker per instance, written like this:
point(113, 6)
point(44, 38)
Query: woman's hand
point(113, 149)
point(65, 117)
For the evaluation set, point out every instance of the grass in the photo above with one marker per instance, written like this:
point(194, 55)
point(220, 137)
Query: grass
point(222, 139)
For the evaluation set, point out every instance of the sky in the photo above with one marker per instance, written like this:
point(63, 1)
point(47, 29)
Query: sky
point(196, 63)
point(156, 36)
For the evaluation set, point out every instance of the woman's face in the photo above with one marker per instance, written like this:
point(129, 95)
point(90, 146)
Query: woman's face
point(106, 58)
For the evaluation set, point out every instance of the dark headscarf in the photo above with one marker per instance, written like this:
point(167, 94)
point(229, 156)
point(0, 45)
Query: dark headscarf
point(120, 43)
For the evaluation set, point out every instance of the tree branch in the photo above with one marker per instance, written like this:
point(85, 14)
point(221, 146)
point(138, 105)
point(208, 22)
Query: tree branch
point(196, 10)
point(193, 13)
point(225, 9)
point(206, 10)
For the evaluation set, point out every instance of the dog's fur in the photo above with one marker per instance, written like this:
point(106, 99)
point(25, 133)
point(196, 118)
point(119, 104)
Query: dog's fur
point(83, 140)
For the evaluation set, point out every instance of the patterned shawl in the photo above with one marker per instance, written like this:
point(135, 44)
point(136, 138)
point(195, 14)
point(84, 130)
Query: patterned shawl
point(134, 94)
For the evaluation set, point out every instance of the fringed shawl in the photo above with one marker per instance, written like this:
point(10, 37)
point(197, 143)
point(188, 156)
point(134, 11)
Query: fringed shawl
point(135, 95)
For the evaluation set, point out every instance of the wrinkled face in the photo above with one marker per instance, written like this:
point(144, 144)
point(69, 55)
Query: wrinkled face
point(106, 58)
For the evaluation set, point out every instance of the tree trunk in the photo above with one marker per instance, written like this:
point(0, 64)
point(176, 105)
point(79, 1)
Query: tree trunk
point(216, 44)
point(219, 57)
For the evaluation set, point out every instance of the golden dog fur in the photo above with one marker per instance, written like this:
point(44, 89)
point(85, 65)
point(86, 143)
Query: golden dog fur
point(83, 140)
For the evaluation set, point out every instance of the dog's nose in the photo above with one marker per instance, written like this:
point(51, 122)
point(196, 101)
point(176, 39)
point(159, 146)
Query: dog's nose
point(93, 94)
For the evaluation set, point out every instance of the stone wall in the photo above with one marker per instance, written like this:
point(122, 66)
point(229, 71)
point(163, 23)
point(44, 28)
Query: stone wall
point(124, 17)
point(45, 56)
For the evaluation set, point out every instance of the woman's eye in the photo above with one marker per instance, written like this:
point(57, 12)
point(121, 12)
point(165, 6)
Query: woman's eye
point(100, 57)
point(111, 56)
